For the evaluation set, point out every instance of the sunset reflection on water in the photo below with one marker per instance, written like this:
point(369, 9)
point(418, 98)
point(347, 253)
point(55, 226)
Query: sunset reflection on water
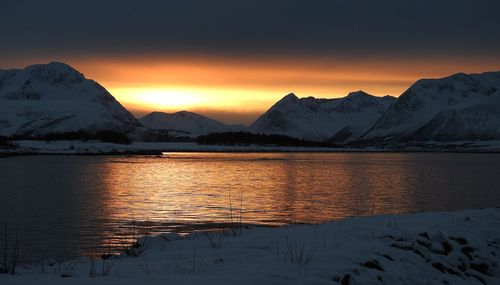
point(272, 188)
point(70, 204)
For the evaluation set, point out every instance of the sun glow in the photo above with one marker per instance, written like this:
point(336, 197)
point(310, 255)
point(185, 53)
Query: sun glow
point(168, 98)
point(165, 98)
point(237, 89)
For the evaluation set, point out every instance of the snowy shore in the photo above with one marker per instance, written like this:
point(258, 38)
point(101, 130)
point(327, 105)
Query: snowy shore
point(460, 247)
point(97, 147)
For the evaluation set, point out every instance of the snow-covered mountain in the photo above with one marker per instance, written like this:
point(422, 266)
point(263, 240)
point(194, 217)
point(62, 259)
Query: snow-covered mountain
point(338, 120)
point(456, 108)
point(192, 123)
point(55, 98)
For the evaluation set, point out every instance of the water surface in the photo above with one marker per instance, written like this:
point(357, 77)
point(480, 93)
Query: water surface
point(67, 205)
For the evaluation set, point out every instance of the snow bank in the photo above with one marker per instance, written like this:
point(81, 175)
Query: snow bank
point(426, 248)
point(97, 147)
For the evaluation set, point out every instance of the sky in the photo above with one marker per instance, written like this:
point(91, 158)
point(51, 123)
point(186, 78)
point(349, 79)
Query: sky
point(232, 60)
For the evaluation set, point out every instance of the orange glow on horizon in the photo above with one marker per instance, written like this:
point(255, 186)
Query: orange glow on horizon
point(174, 98)
point(237, 87)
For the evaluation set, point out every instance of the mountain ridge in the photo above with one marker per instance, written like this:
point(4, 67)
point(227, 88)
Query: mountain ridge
point(321, 119)
point(193, 123)
point(53, 98)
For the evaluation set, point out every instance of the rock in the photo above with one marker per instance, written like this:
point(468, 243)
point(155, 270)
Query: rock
point(373, 264)
point(418, 252)
point(440, 245)
point(403, 246)
point(346, 280)
point(478, 277)
point(424, 243)
point(424, 234)
point(388, 257)
point(480, 267)
point(467, 250)
point(462, 267)
point(447, 247)
point(67, 274)
point(439, 266)
point(460, 240)
point(445, 268)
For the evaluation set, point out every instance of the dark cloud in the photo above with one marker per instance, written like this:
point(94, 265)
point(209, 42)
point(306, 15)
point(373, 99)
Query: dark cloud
point(291, 27)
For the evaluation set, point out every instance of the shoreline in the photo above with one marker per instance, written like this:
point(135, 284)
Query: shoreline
point(157, 148)
point(458, 247)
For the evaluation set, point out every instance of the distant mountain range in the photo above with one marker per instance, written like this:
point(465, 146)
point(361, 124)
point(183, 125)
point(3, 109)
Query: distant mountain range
point(340, 120)
point(454, 109)
point(55, 98)
point(189, 123)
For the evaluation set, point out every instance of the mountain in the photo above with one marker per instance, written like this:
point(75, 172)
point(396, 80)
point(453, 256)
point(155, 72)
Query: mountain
point(55, 98)
point(337, 120)
point(455, 108)
point(192, 124)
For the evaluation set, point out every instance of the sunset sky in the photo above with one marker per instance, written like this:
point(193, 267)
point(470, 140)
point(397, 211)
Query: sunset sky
point(233, 59)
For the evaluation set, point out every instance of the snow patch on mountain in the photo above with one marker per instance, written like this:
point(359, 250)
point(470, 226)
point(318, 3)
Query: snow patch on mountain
point(340, 119)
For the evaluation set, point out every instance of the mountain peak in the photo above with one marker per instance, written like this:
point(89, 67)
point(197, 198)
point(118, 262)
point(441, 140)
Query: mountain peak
point(156, 113)
point(186, 113)
point(55, 72)
point(57, 66)
point(358, 93)
point(290, 97)
point(182, 113)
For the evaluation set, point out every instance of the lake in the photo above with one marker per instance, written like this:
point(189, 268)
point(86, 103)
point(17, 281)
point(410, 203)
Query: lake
point(64, 206)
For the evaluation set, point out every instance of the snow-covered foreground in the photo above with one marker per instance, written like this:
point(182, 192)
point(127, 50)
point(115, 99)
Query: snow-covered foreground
point(426, 248)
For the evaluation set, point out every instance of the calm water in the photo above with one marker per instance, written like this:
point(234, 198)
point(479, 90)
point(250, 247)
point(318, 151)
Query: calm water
point(65, 205)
